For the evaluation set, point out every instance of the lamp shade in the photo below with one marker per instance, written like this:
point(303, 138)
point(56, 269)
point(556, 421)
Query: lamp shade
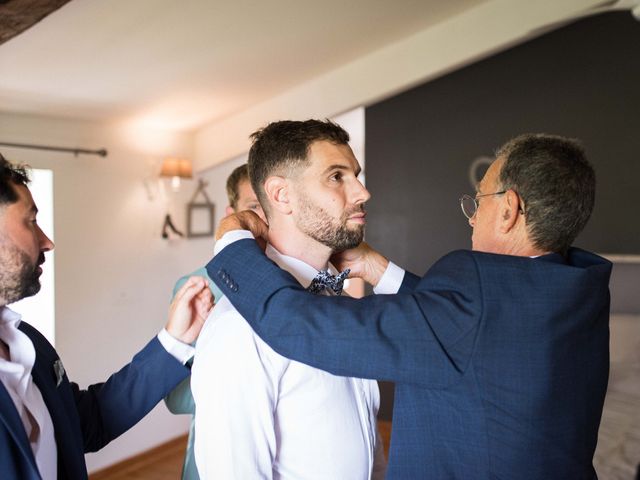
point(176, 167)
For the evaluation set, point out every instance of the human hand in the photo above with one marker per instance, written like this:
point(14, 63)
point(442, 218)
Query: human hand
point(363, 261)
point(245, 220)
point(189, 310)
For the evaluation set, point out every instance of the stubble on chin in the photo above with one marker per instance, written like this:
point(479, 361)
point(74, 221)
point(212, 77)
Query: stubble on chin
point(335, 234)
point(18, 277)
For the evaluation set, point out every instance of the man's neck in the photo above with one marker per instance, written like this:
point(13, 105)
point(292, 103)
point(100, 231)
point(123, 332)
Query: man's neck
point(521, 247)
point(296, 244)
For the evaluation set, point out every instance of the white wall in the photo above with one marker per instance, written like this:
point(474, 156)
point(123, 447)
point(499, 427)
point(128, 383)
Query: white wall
point(114, 273)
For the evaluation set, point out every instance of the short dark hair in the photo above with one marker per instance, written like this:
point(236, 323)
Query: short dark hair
point(282, 147)
point(11, 175)
point(238, 175)
point(556, 183)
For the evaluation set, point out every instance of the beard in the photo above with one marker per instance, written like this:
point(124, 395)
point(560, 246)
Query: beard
point(334, 233)
point(19, 277)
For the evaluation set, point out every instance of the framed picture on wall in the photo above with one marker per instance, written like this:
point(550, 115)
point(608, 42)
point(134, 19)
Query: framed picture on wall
point(200, 214)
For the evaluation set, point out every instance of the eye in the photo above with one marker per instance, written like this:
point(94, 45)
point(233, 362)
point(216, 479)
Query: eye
point(336, 176)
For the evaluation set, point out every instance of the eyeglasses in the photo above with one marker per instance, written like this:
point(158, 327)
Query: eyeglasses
point(469, 204)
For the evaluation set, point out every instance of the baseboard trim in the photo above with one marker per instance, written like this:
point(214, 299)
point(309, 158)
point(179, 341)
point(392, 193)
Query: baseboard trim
point(142, 460)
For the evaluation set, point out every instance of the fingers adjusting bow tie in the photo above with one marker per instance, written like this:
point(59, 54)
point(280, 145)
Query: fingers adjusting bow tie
point(324, 280)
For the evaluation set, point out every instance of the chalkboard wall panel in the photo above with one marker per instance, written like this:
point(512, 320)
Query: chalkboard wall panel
point(580, 81)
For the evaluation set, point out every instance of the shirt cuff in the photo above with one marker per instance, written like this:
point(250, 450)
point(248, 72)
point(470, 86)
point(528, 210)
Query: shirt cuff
point(229, 238)
point(390, 281)
point(178, 350)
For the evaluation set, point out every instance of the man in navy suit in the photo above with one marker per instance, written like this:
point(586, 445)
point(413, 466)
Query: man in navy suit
point(46, 422)
point(500, 354)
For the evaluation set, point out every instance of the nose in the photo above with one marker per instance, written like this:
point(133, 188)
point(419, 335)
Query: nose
point(361, 194)
point(46, 244)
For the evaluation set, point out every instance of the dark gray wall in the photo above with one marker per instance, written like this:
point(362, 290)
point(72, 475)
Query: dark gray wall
point(580, 81)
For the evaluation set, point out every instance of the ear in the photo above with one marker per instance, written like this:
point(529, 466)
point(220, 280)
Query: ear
point(277, 190)
point(509, 211)
point(228, 211)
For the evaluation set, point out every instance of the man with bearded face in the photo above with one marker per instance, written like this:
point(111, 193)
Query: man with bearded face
point(259, 414)
point(47, 423)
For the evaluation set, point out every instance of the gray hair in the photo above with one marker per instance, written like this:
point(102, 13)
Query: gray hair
point(556, 183)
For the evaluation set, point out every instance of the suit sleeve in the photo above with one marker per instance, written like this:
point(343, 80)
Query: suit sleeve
point(409, 282)
point(425, 335)
point(107, 410)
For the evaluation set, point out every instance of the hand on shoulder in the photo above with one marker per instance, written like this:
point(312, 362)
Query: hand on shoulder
point(244, 220)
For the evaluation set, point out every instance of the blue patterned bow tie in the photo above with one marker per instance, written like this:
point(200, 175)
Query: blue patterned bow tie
point(324, 280)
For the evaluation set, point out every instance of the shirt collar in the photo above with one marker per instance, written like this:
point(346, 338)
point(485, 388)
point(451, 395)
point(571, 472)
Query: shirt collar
point(303, 272)
point(9, 316)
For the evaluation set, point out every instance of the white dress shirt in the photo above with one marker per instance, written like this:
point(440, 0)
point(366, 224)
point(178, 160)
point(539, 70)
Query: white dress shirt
point(390, 281)
point(16, 365)
point(260, 415)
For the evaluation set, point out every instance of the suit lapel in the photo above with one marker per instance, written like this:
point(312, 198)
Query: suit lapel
point(11, 419)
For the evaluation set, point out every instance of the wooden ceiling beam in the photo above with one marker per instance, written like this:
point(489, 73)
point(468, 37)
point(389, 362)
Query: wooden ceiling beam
point(16, 16)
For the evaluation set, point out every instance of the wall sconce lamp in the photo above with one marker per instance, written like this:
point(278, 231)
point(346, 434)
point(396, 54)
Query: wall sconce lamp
point(176, 168)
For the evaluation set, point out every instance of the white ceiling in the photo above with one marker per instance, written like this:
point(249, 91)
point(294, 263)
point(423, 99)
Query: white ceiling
point(185, 64)
point(220, 69)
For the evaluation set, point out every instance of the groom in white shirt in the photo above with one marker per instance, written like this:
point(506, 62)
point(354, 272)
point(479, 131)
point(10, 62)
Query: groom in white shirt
point(259, 414)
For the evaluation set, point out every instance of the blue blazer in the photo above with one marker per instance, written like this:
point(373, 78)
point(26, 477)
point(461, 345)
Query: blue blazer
point(500, 362)
point(84, 420)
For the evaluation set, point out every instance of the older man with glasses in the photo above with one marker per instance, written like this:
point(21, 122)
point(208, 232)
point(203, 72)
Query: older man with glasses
point(500, 354)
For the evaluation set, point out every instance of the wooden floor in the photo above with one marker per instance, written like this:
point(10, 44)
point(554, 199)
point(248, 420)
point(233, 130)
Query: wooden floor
point(165, 462)
point(161, 463)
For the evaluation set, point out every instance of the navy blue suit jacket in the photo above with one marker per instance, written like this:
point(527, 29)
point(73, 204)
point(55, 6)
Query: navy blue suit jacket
point(500, 362)
point(84, 420)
